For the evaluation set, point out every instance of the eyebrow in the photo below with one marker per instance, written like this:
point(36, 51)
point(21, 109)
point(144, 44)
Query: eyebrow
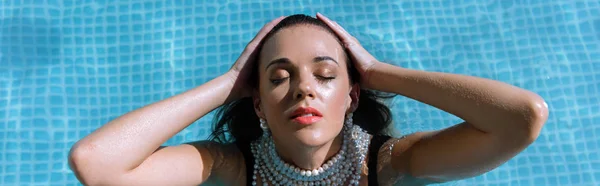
point(316, 60)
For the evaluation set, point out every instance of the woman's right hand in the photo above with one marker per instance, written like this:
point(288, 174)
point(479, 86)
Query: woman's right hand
point(127, 150)
point(242, 68)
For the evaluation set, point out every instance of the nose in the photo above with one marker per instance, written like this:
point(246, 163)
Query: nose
point(305, 87)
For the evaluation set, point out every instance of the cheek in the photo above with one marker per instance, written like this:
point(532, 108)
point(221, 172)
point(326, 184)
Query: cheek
point(272, 100)
point(336, 101)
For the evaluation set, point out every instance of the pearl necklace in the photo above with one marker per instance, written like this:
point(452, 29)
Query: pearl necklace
point(344, 167)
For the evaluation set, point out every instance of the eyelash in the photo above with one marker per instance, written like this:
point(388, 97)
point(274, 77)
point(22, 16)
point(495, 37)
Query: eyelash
point(321, 79)
point(278, 81)
point(325, 79)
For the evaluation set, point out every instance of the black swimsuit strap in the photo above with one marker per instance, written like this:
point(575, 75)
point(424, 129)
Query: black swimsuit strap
point(376, 143)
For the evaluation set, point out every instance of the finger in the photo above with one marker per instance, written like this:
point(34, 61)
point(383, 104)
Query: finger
point(348, 35)
point(261, 34)
point(266, 29)
point(253, 44)
point(348, 40)
point(331, 24)
point(341, 32)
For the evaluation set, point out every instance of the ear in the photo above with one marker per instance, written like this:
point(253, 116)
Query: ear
point(257, 104)
point(354, 95)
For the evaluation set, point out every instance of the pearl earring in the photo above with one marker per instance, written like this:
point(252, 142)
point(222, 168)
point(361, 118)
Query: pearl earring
point(264, 127)
point(349, 121)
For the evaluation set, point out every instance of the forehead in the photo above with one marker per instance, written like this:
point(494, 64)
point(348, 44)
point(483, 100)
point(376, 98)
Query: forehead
point(300, 43)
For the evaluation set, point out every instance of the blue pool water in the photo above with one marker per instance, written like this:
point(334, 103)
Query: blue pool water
point(68, 67)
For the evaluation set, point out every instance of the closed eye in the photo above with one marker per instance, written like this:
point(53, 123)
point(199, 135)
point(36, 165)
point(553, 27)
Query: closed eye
point(322, 79)
point(278, 81)
point(325, 79)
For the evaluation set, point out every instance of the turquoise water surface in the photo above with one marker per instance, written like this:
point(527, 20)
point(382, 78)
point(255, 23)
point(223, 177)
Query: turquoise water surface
point(68, 67)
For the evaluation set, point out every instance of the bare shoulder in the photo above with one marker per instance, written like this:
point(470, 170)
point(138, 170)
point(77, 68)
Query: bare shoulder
point(228, 162)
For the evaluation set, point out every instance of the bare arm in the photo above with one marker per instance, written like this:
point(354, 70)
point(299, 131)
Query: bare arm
point(127, 151)
point(500, 121)
point(127, 144)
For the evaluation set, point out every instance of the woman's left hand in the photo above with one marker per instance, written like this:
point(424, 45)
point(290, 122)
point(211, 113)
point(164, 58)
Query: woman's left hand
point(363, 60)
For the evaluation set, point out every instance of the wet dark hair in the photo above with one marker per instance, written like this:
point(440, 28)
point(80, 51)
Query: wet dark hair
point(236, 122)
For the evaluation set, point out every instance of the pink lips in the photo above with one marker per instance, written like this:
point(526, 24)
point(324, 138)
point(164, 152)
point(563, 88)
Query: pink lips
point(306, 115)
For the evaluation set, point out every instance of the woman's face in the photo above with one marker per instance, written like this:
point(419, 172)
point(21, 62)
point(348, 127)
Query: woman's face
point(303, 67)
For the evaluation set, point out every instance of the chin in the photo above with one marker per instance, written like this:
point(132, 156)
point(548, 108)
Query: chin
point(313, 137)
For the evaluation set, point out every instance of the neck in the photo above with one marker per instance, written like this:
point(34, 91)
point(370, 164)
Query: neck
point(308, 157)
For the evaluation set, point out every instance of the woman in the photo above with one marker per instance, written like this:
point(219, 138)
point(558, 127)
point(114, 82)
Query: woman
point(304, 113)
